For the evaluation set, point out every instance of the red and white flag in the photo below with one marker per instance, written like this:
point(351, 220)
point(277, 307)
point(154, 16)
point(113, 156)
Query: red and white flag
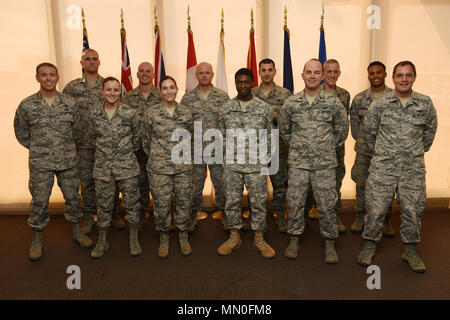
point(191, 80)
point(126, 79)
point(251, 58)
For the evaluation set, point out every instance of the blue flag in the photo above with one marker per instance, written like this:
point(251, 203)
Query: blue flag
point(322, 48)
point(288, 81)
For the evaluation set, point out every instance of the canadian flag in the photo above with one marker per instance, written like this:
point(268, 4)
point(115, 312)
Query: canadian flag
point(191, 80)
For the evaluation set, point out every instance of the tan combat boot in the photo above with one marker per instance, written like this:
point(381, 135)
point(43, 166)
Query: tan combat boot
point(281, 222)
point(185, 246)
point(142, 220)
point(314, 213)
point(102, 245)
point(388, 231)
point(246, 220)
point(35, 252)
point(292, 249)
point(341, 226)
point(234, 242)
point(262, 246)
point(79, 237)
point(135, 248)
point(410, 255)
point(117, 222)
point(331, 256)
point(88, 223)
point(163, 250)
point(358, 224)
point(367, 253)
point(194, 221)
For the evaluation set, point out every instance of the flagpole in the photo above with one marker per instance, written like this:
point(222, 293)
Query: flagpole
point(85, 41)
point(321, 18)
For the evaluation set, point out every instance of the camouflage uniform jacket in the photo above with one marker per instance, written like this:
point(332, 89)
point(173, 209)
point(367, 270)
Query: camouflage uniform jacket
point(206, 111)
point(358, 110)
point(399, 136)
point(343, 95)
point(157, 133)
point(276, 98)
point(115, 140)
point(313, 132)
point(48, 132)
point(257, 115)
point(136, 100)
point(86, 98)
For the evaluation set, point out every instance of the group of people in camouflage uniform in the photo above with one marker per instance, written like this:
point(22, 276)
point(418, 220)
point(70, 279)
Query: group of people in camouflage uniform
point(89, 135)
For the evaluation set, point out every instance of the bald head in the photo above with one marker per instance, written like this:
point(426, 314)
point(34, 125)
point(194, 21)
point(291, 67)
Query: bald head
point(312, 76)
point(89, 50)
point(145, 74)
point(308, 63)
point(90, 62)
point(204, 73)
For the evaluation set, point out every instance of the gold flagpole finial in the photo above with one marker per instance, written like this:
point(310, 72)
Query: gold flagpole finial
point(321, 17)
point(82, 18)
point(156, 16)
point(121, 17)
point(189, 17)
point(285, 16)
point(222, 21)
point(252, 21)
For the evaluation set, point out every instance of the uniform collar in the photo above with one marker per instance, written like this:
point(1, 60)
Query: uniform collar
point(40, 99)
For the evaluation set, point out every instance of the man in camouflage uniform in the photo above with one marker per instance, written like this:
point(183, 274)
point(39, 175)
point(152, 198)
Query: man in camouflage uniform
point(314, 124)
point(399, 128)
point(47, 124)
point(168, 178)
point(245, 113)
point(331, 75)
point(205, 102)
point(275, 95)
point(87, 92)
point(140, 98)
point(116, 132)
point(360, 170)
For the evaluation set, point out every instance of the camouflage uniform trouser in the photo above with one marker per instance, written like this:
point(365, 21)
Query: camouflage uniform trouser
point(323, 183)
point(340, 173)
point(198, 180)
point(41, 184)
point(106, 199)
point(411, 196)
point(86, 169)
point(256, 185)
point(162, 187)
point(280, 184)
point(360, 173)
point(144, 189)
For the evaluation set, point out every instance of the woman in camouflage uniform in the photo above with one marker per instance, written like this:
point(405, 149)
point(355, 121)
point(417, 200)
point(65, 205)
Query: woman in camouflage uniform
point(115, 128)
point(166, 175)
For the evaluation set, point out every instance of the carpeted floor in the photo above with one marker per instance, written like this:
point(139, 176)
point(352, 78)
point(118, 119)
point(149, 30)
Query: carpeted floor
point(205, 275)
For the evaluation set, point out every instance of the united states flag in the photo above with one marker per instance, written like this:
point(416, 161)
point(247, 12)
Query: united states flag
point(160, 72)
point(126, 78)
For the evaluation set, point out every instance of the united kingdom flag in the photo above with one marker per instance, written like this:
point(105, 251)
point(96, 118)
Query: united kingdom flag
point(126, 78)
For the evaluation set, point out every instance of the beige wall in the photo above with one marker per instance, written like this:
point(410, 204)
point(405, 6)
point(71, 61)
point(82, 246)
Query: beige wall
point(46, 31)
